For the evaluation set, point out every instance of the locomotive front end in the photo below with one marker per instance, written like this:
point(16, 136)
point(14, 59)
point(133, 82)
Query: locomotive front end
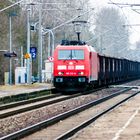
point(70, 72)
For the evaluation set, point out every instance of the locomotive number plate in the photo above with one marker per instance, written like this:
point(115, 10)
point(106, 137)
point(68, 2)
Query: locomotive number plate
point(70, 73)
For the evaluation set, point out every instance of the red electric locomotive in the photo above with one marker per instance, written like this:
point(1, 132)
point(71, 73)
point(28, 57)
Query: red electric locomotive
point(75, 66)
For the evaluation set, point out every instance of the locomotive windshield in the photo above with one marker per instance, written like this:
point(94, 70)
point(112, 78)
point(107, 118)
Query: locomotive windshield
point(70, 54)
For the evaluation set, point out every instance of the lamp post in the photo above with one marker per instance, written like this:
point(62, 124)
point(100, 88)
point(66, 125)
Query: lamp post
point(78, 27)
point(11, 14)
point(29, 59)
point(40, 44)
point(40, 33)
point(50, 50)
point(28, 46)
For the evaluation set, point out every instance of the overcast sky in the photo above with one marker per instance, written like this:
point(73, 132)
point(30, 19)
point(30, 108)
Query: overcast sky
point(131, 16)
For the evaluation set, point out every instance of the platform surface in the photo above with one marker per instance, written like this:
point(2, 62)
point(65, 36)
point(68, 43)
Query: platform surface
point(9, 90)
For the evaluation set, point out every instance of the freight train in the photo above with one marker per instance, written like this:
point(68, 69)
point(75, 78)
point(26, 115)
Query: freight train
point(78, 66)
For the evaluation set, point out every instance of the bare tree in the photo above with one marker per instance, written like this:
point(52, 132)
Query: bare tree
point(54, 14)
point(113, 38)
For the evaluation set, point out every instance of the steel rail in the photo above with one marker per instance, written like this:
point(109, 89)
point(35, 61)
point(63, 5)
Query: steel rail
point(73, 131)
point(28, 101)
point(28, 130)
point(28, 108)
point(40, 98)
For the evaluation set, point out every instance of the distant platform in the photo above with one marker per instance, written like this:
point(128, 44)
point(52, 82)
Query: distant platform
point(10, 90)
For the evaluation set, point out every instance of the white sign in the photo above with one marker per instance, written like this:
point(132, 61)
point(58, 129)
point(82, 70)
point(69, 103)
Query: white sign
point(50, 59)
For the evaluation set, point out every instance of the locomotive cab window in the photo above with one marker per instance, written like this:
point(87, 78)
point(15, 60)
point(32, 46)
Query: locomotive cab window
point(71, 54)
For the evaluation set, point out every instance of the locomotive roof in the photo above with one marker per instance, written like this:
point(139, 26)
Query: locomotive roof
point(72, 42)
point(90, 48)
point(78, 44)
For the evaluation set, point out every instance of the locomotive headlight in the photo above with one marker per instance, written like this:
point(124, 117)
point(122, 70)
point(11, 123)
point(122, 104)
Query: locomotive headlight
point(81, 73)
point(60, 73)
point(70, 63)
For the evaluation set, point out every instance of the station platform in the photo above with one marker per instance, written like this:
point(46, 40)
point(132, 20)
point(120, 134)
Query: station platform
point(10, 90)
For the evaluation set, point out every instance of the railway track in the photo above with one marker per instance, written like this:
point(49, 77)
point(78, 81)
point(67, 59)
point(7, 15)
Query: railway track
point(35, 100)
point(11, 109)
point(28, 101)
point(62, 116)
point(23, 106)
point(67, 128)
point(112, 104)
